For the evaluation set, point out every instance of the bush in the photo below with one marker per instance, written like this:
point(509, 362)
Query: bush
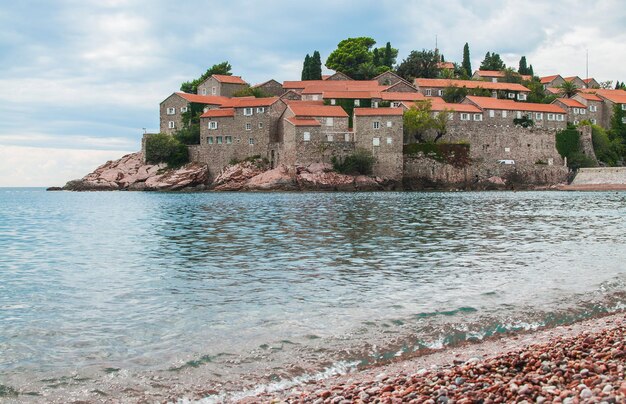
point(579, 160)
point(524, 121)
point(360, 162)
point(607, 150)
point(568, 142)
point(163, 148)
point(189, 134)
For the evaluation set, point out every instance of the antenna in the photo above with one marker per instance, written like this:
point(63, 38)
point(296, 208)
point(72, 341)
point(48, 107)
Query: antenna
point(587, 64)
point(435, 41)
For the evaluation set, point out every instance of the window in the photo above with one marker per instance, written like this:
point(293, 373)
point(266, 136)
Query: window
point(330, 137)
point(376, 141)
point(171, 111)
point(204, 91)
point(450, 116)
point(521, 97)
point(593, 121)
point(332, 101)
point(260, 125)
point(346, 137)
point(260, 110)
point(593, 108)
point(504, 114)
point(229, 139)
point(465, 117)
point(550, 117)
point(623, 107)
point(248, 126)
point(183, 109)
point(218, 139)
point(357, 103)
point(440, 93)
point(214, 90)
point(212, 124)
point(478, 117)
point(428, 92)
point(375, 104)
point(518, 114)
point(560, 117)
point(171, 124)
point(539, 116)
point(492, 113)
point(389, 124)
point(507, 149)
point(329, 121)
point(389, 140)
point(395, 104)
point(247, 111)
point(209, 139)
point(624, 119)
point(576, 111)
point(251, 141)
point(315, 97)
point(583, 111)
point(511, 95)
point(376, 125)
point(306, 136)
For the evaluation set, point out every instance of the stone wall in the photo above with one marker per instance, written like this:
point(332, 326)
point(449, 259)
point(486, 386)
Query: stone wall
point(173, 101)
point(586, 142)
point(271, 88)
point(384, 142)
point(603, 175)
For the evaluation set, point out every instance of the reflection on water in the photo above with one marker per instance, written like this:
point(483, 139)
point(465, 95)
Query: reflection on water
point(158, 281)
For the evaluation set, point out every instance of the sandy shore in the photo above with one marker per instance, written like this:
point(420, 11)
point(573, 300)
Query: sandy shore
point(583, 362)
point(593, 187)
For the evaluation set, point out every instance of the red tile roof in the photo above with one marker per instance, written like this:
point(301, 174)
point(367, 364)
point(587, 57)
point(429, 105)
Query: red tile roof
point(616, 96)
point(570, 103)
point(553, 90)
point(393, 96)
point(351, 94)
point(548, 79)
point(203, 99)
point(571, 78)
point(303, 122)
point(378, 111)
point(445, 65)
point(301, 110)
point(325, 76)
point(247, 102)
point(216, 113)
point(303, 102)
point(222, 78)
point(329, 85)
point(510, 105)
point(589, 96)
point(489, 73)
point(443, 83)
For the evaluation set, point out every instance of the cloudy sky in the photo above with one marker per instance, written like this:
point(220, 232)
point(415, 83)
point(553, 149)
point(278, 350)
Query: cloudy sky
point(79, 80)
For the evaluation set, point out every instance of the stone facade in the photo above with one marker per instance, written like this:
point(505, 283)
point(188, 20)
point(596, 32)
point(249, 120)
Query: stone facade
point(304, 145)
point(213, 86)
point(170, 113)
point(271, 88)
point(595, 108)
point(389, 78)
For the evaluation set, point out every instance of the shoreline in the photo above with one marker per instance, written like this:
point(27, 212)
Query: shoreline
point(382, 380)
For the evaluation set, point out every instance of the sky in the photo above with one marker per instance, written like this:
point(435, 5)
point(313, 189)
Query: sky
point(80, 80)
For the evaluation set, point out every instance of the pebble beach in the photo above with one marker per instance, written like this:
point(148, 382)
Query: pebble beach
point(579, 363)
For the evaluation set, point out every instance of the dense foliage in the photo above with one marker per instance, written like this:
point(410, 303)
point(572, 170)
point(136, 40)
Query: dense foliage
point(312, 67)
point(467, 64)
point(163, 148)
point(567, 89)
point(524, 122)
point(250, 92)
point(607, 151)
point(356, 58)
point(348, 105)
point(192, 86)
point(423, 64)
point(492, 61)
point(455, 94)
point(360, 162)
point(568, 146)
point(524, 68)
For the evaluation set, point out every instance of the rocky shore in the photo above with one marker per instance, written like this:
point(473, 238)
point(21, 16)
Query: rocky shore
point(582, 363)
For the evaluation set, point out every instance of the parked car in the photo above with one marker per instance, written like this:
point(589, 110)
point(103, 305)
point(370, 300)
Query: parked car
point(506, 161)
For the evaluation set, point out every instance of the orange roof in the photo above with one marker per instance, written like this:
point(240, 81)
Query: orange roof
point(490, 73)
point(570, 103)
point(393, 96)
point(351, 94)
point(588, 80)
point(303, 102)
point(328, 85)
point(571, 78)
point(445, 65)
point(443, 83)
point(222, 78)
point(440, 106)
point(301, 110)
point(203, 99)
point(247, 102)
point(588, 96)
point(553, 90)
point(548, 79)
point(378, 111)
point(510, 105)
point(216, 113)
point(303, 122)
point(616, 96)
point(325, 76)
point(265, 82)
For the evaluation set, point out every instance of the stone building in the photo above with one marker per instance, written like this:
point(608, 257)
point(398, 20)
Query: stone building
point(173, 107)
point(577, 81)
point(271, 88)
point(503, 112)
point(595, 107)
point(576, 111)
point(436, 88)
point(220, 84)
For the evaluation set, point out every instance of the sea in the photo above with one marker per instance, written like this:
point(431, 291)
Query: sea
point(117, 296)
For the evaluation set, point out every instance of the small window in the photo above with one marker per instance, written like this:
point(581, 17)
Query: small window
point(428, 92)
point(376, 125)
point(389, 124)
point(507, 149)
point(248, 126)
point(214, 90)
point(593, 121)
point(511, 95)
point(183, 109)
point(346, 137)
point(247, 111)
point(395, 104)
point(521, 97)
point(330, 137)
point(171, 124)
point(219, 140)
point(332, 101)
point(492, 113)
point(504, 114)
point(229, 139)
point(204, 91)
point(376, 141)
point(450, 116)
point(560, 117)
point(306, 136)
point(315, 97)
point(212, 124)
point(576, 111)
point(357, 103)
point(478, 117)
point(209, 140)
point(251, 141)
point(260, 110)
point(583, 111)
point(389, 140)
point(623, 107)
point(539, 116)
point(518, 114)
point(329, 122)
point(260, 125)
point(440, 93)
point(550, 117)
point(593, 108)
point(171, 111)
point(624, 119)
point(375, 104)
point(465, 117)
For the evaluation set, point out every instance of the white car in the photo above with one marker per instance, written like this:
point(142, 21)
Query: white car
point(506, 161)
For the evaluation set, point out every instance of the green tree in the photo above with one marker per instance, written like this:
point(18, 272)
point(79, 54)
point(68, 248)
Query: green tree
point(492, 61)
point(568, 89)
point(163, 148)
point(417, 121)
point(440, 123)
point(423, 64)
point(531, 71)
point(376, 57)
point(618, 124)
point(250, 92)
point(390, 55)
point(511, 76)
point(466, 65)
point(306, 68)
point(523, 67)
point(316, 66)
point(350, 54)
point(607, 151)
point(454, 94)
point(191, 87)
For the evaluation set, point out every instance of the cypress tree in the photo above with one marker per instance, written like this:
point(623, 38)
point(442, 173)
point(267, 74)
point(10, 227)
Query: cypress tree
point(388, 57)
point(617, 86)
point(315, 71)
point(442, 58)
point(530, 71)
point(467, 65)
point(306, 68)
point(376, 57)
point(523, 67)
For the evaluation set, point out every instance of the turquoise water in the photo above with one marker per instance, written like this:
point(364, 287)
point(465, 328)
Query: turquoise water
point(250, 288)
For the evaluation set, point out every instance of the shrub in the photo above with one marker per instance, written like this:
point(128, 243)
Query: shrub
point(360, 162)
point(163, 148)
point(189, 134)
point(568, 142)
point(578, 160)
point(524, 121)
point(607, 150)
